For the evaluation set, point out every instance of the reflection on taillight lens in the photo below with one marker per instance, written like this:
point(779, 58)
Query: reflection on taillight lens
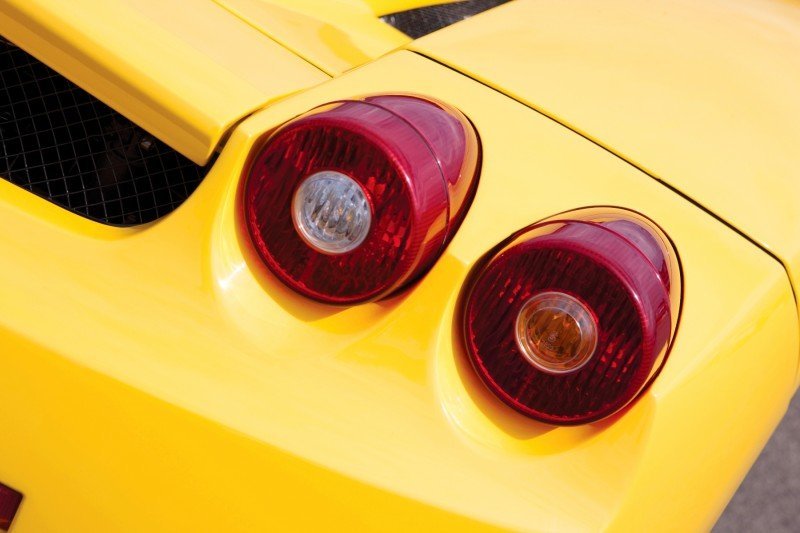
point(556, 332)
point(570, 319)
point(331, 212)
point(355, 199)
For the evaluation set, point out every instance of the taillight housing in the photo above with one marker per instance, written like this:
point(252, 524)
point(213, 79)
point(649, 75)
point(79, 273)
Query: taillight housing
point(569, 320)
point(356, 199)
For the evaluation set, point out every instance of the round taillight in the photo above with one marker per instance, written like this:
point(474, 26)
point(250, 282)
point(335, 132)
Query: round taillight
point(356, 199)
point(568, 321)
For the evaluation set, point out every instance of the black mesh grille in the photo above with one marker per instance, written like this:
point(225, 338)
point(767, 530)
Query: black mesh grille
point(424, 20)
point(61, 143)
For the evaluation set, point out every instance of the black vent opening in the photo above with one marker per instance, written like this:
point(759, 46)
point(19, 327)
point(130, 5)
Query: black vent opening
point(419, 22)
point(61, 143)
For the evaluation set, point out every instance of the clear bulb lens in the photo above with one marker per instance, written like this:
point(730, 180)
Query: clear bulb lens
point(556, 332)
point(330, 211)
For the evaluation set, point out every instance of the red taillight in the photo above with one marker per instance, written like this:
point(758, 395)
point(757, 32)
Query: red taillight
point(356, 199)
point(10, 501)
point(569, 320)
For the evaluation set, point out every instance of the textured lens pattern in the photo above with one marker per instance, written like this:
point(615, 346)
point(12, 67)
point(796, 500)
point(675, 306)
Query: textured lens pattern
point(306, 151)
point(331, 212)
point(613, 279)
point(356, 199)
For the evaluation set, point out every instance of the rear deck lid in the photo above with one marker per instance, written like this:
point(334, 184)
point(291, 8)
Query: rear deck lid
point(702, 95)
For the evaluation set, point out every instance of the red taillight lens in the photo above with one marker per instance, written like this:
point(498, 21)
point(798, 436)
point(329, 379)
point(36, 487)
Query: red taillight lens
point(10, 501)
point(356, 199)
point(569, 320)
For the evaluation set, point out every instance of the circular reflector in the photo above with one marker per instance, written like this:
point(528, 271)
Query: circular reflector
point(556, 332)
point(331, 212)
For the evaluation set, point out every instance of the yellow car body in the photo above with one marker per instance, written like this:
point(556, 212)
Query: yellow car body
point(159, 378)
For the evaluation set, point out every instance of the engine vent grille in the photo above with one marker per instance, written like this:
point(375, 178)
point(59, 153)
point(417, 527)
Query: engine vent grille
point(58, 141)
point(424, 20)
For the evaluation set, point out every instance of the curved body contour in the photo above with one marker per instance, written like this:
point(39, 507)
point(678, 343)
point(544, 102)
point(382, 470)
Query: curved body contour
point(158, 377)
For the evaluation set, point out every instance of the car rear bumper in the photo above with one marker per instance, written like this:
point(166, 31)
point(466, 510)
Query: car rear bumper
point(159, 378)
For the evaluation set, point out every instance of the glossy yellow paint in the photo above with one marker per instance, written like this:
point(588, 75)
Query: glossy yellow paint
point(384, 7)
point(701, 94)
point(334, 36)
point(159, 378)
point(185, 71)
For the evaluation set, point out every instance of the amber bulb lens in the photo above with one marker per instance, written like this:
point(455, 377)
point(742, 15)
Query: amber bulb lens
point(556, 332)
